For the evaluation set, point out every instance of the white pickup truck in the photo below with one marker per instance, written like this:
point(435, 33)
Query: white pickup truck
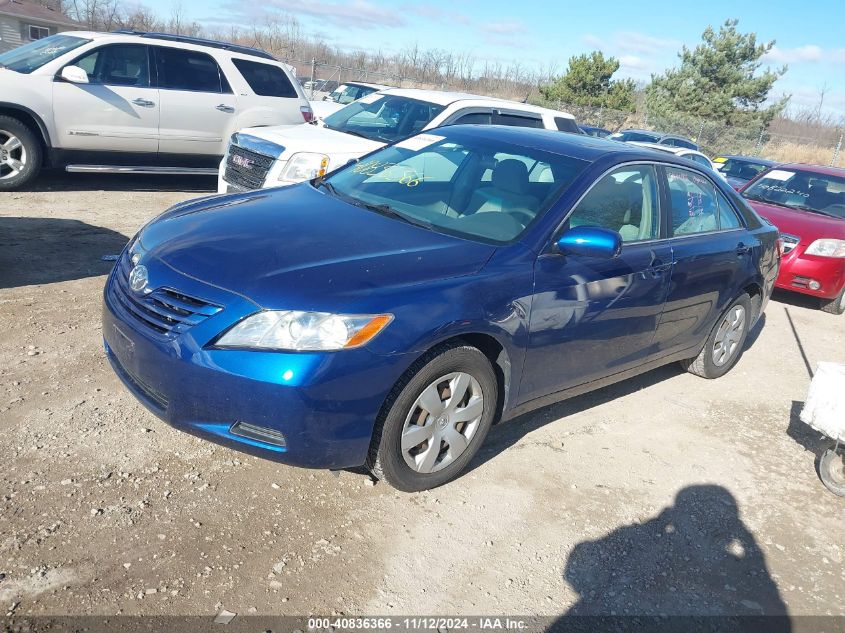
point(283, 155)
point(133, 102)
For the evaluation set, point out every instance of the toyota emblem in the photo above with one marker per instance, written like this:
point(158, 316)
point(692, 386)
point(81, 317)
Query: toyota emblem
point(138, 279)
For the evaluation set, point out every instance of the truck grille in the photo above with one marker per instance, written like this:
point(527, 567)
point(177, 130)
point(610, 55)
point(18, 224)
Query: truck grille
point(164, 310)
point(246, 169)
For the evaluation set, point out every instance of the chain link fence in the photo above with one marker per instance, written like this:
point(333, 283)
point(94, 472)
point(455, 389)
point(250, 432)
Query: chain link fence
point(784, 140)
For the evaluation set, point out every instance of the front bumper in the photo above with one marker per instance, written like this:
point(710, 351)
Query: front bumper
point(798, 269)
point(323, 404)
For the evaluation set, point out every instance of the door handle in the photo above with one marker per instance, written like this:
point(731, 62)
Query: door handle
point(742, 249)
point(143, 103)
point(225, 108)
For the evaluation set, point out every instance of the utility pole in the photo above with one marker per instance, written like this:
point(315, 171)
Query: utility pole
point(313, 75)
point(759, 147)
point(836, 151)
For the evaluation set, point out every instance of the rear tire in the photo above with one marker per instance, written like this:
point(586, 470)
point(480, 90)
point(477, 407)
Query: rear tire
point(725, 343)
point(834, 306)
point(21, 154)
point(832, 471)
point(437, 417)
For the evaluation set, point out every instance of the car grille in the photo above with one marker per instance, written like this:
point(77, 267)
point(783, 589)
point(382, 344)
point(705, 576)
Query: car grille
point(789, 242)
point(164, 310)
point(246, 169)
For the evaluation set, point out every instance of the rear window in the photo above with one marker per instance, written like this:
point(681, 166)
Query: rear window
point(266, 80)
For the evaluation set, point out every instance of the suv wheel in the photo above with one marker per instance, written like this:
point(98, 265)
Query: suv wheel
point(836, 305)
point(724, 345)
point(20, 154)
point(437, 417)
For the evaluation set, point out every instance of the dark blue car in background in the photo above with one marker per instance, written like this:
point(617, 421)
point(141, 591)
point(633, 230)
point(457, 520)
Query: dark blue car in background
point(387, 315)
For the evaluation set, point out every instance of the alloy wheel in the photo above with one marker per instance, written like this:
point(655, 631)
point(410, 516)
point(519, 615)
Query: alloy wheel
point(729, 335)
point(12, 155)
point(442, 422)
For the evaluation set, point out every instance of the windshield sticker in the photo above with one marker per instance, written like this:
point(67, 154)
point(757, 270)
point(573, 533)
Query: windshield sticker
point(419, 141)
point(779, 174)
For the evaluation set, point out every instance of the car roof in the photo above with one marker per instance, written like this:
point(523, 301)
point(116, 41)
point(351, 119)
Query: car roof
point(750, 159)
point(581, 146)
point(164, 39)
point(448, 98)
point(677, 151)
point(815, 169)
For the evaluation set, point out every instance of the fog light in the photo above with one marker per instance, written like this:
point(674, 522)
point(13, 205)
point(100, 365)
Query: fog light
point(814, 285)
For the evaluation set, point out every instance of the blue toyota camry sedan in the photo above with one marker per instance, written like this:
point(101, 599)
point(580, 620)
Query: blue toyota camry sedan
point(388, 314)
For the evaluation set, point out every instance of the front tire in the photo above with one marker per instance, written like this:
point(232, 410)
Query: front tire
point(20, 154)
point(437, 418)
point(834, 306)
point(832, 471)
point(725, 343)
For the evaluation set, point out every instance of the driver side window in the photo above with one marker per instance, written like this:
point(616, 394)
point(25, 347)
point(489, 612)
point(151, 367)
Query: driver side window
point(624, 201)
point(117, 65)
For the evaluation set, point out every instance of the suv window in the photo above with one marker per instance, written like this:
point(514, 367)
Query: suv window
point(565, 124)
point(266, 80)
point(680, 142)
point(624, 201)
point(474, 118)
point(32, 56)
point(695, 205)
point(697, 158)
point(180, 69)
point(117, 65)
point(517, 120)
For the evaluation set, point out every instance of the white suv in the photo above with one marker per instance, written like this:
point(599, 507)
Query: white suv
point(278, 156)
point(135, 102)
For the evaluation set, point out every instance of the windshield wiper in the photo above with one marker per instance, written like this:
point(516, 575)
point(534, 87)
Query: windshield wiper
point(387, 210)
point(327, 186)
point(811, 210)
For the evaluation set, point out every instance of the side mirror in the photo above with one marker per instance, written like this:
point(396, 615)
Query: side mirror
point(74, 74)
point(326, 98)
point(590, 241)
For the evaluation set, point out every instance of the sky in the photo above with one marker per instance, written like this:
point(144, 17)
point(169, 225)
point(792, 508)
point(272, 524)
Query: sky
point(645, 36)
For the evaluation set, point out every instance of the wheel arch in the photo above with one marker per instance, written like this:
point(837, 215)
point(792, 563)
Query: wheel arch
point(31, 120)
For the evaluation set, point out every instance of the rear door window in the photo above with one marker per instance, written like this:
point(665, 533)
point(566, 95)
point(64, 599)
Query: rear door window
point(516, 120)
point(267, 80)
point(696, 205)
point(180, 69)
point(565, 124)
point(474, 118)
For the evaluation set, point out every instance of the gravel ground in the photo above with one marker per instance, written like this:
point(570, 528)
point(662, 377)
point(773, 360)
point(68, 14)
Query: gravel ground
point(664, 494)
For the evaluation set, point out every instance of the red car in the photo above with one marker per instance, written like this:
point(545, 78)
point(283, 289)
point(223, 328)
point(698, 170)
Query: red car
point(807, 204)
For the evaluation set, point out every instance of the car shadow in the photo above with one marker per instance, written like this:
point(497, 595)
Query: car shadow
point(795, 299)
point(63, 181)
point(504, 435)
point(804, 435)
point(695, 558)
point(49, 250)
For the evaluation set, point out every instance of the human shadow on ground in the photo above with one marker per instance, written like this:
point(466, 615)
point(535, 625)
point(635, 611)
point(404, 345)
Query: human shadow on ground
point(696, 558)
point(49, 250)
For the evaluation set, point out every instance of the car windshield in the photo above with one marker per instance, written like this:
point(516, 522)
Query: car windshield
point(803, 190)
point(459, 183)
point(630, 135)
point(738, 168)
point(384, 118)
point(34, 55)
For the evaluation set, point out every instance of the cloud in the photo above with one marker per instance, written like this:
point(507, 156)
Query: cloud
point(632, 62)
point(503, 27)
point(360, 14)
point(800, 54)
point(438, 15)
point(636, 42)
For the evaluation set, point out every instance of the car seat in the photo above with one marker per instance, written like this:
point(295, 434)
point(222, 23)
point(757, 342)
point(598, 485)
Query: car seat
point(507, 192)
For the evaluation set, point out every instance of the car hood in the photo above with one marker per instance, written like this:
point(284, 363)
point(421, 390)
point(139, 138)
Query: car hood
point(314, 138)
point(301, 248)
point(807, 226)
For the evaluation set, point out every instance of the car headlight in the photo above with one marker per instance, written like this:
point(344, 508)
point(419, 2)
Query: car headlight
point(827, 248)
point(305, 166)
point(293, 330)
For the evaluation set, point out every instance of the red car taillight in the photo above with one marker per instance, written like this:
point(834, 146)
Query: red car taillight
point(307, 113)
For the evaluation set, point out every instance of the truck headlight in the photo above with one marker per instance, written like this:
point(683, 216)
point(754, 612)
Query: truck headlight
point(304, 166)
point(827, 248)
point(293, 330)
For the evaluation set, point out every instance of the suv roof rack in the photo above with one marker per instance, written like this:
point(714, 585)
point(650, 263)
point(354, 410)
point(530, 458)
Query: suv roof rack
point(200, 41)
